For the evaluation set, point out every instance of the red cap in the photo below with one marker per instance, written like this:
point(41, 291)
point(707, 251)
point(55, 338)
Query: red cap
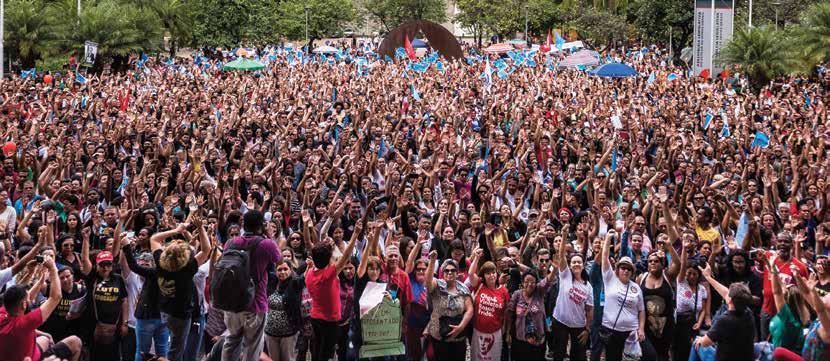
point(103, 256)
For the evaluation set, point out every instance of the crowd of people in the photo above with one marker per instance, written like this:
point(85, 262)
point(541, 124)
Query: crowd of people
point(544, 214)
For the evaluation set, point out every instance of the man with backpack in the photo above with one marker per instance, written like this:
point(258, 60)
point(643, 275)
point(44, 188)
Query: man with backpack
point(239, 285)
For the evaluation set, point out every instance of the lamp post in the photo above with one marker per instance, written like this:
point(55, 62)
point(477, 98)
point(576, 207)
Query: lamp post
point(526, 37)
point(750, 13)
point(777, 5)
point(2, 35)
point(306, 29)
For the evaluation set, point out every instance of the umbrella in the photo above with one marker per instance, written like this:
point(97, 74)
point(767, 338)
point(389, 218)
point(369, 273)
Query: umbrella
point(614, 70)
point(325, 49)
point(243, 64)
point(498, 48)
point(418, 43)
point(582, 57)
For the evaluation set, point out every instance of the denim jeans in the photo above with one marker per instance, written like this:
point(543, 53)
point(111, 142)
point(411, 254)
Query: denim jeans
point(147, 333)
point(193, 347)
point(702, 354)
point(179, 331)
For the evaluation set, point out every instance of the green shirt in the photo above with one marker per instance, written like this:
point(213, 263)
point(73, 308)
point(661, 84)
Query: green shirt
point(786, 330)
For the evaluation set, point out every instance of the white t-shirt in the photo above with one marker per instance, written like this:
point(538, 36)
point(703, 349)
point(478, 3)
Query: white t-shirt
point(5, 276)
point(571, 301)
point(686, 298)
point(619, 302)
point(134, 284)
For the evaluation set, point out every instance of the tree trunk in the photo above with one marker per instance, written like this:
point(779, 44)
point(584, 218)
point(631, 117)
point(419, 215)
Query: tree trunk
point(173, 48)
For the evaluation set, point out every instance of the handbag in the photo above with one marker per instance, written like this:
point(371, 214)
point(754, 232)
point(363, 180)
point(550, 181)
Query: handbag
point(104, 333)
point(605, 332)
point(444, 323)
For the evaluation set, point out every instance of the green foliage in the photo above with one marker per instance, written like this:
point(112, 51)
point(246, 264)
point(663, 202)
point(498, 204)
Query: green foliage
point(813, 36)
point(325, 17)
point(27, 31)
point(220, 22)
point(601, 27)
point(653, 19)
point(391, 13)
point(760, 52)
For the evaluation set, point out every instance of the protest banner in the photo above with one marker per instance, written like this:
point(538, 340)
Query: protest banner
point(382, 330)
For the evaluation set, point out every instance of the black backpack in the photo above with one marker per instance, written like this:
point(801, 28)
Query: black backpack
point(233, 286)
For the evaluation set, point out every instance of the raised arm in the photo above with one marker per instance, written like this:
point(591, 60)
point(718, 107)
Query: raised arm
point(204, 243)
point(430, 281)
point(719, 288)
point(606, 247)
point(158, 238)
point(86, 264)
point(55, 294)
point(346, 258)
point(413, 254)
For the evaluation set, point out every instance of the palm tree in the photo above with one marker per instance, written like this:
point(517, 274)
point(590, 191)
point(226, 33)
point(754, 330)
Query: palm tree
point(175, 17)
point(760, 52)
point(119, 29)
point(27, 31)
point(813, 36)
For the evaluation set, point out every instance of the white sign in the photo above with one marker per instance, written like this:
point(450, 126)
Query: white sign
point(90, 52)
point(713, 29)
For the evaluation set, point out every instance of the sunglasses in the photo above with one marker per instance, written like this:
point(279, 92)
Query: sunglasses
point(654, 261)
point(421, 269)
point(450, 270)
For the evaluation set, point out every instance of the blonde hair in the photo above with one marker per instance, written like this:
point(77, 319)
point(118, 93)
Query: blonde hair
point(175, 256)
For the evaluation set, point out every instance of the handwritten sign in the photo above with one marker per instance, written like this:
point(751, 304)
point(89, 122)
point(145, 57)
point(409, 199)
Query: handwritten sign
point(382, 330)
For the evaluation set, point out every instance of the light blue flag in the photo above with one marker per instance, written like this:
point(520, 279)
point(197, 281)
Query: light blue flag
point(743, 229)
point(707, 121)
point(290, 59)
point(807, 102)
point(651, 78)
point(559, 41)
point(529, 63)
point(725, 132)
point(31, 73)
point(381, 148)
point(400, 53)
point(80, 78)
point(500, 64)
point(420, 67)
point(334, 95)
point(470, 60)
point(614, 160)
point(439, 66)
point(761, 140)
point(671, 77)
point(415, 93)
point(387, 58)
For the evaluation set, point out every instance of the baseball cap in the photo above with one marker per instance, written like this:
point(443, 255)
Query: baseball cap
point(103, 256)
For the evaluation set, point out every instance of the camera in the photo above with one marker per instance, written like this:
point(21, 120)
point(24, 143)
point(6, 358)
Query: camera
point(39, 259)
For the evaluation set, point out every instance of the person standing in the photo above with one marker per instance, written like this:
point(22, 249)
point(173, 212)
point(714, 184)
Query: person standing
point(246, 329)
point(324, 287)
point(624, 310)
point(574, 309)
point(734, 332)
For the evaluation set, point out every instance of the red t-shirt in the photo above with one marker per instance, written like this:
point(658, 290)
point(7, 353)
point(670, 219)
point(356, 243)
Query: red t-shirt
point(17, 335)
point(401, 279)
point(324, 288)
point(489, 307)
point(786, 277)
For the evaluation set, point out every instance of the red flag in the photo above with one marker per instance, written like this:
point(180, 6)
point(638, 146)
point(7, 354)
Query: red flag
point(724, 74)
point(546, 48)
point(705, 73)
point(410, 51)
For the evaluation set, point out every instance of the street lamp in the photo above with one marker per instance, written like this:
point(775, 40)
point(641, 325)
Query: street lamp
point(526, 37)
point(2, 26)
point(777, 5)
point(750, 13)
point(306, 28)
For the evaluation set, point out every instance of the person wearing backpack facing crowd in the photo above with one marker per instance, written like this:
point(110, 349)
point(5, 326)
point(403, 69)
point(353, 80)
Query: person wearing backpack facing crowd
point(246, 328)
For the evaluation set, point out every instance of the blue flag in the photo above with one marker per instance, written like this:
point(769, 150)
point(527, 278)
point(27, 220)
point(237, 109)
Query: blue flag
point(387, 58)
point(560, 42)
point(334, 95)
point(80, 78)
point(415, 93)
point(381, 148)
point(487, 75)
point(420, 67)
point(500, 64)
point(671, 77)
point(439, 66)
point(31, 73)
point(614, 159)
point(707, 121)
point(651, 78)
point(807, 102)
point(761, 140)
point(743, 229)
point(400, 53)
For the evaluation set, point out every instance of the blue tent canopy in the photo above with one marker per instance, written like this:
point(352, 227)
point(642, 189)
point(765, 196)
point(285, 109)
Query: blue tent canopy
point(614, 70)
point(418, 43)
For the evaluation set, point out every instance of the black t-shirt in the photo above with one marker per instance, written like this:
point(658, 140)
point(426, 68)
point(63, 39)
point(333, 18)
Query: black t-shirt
point(57, 325)
point(734, 333)
point(177, 292)
point(107, 297)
